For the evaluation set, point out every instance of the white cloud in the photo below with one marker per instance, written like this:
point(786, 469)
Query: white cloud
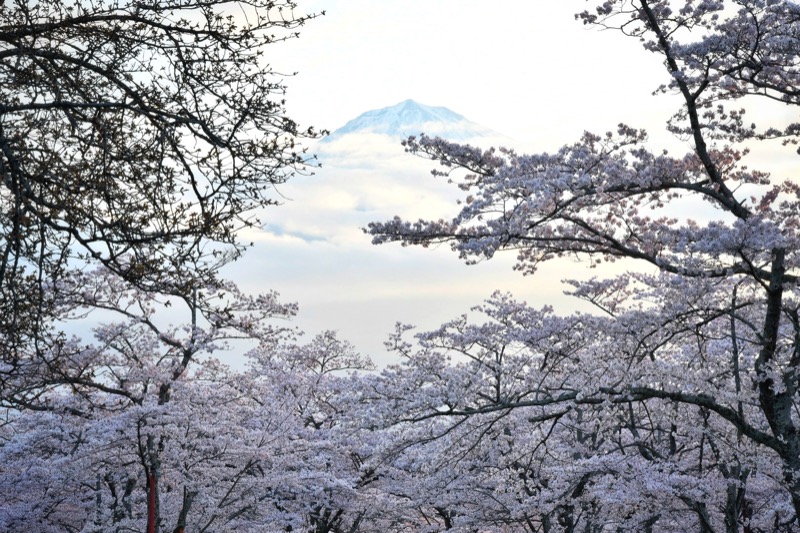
point(313, 250)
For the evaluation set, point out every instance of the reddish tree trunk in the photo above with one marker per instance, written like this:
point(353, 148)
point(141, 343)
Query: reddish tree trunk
point(152, 488)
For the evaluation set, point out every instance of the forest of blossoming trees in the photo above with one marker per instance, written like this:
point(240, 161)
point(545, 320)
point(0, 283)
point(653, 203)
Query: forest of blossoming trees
point(138, 138)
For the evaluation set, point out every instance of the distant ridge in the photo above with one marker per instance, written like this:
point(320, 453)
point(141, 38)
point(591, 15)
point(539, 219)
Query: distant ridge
point(412, 118)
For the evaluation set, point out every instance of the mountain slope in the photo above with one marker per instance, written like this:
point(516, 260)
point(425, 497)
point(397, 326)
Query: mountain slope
point(412, 118)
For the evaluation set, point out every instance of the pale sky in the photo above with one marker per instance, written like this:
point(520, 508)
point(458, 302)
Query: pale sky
point(525, 69)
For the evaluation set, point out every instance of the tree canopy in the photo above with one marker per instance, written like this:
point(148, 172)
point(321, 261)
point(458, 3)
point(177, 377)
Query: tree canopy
point(140, 136)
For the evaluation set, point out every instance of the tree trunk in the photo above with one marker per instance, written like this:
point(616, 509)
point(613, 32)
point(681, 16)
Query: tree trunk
point(152, 472)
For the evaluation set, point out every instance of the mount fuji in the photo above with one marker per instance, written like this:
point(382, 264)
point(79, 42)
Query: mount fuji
point(412, 118)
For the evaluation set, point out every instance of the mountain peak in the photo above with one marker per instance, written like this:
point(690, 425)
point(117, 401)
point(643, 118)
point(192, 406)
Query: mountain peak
point(411, 118)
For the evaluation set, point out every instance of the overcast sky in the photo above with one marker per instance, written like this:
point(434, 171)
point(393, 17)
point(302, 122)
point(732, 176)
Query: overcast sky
point(527, 70)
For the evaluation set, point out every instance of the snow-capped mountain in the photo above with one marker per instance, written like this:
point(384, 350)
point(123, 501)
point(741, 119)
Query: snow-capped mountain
point(412, 118)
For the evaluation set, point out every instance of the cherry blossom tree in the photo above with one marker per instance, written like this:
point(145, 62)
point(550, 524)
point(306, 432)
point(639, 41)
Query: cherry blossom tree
point(504, 423)
point(140, 136)
point(676, 407)
point(145, 429)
